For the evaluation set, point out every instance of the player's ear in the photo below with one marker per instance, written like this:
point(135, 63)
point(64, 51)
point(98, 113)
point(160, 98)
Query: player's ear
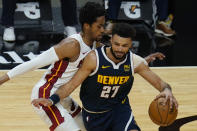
point(86, 26)
point(131, 45)
point(111, 40)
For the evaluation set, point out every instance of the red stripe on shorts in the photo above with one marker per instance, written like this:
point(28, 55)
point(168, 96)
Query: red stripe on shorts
point(44, 92)
point(56, 72)
point(54, 115)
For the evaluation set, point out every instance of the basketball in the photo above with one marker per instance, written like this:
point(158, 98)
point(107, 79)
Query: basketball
point(161, 114)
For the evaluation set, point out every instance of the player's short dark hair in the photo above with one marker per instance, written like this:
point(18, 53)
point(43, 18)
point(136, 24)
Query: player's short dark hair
point(90, 12)
point(123, 30)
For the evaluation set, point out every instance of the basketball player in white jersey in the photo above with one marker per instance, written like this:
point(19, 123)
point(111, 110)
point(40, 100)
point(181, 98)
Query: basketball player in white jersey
point(65, 59)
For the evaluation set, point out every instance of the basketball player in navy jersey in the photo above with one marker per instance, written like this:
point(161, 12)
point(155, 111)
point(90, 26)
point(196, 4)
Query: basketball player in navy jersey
point(65, 59)
point(106, 76)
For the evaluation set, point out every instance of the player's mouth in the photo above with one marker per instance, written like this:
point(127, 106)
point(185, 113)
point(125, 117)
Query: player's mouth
point(119, 54)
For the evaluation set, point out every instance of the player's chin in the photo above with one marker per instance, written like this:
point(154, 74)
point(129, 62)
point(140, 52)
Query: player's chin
point(120, 55)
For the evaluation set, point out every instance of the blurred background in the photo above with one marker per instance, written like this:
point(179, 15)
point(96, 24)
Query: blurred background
point(38, 25)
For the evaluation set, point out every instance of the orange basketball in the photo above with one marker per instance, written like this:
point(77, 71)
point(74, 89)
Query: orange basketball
point(162, 114)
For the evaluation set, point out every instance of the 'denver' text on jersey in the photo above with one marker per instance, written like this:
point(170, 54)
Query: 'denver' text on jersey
point(109, 84)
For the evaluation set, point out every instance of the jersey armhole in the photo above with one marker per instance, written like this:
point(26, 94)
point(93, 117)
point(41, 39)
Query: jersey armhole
point(132, 64)
point(97, 64)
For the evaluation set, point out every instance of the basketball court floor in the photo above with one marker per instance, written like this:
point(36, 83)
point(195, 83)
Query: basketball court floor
point(16, 113)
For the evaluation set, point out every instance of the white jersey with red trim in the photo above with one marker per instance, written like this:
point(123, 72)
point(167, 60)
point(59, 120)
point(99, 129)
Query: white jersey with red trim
point(62, 71)
point(65, 69)
point(58, 74)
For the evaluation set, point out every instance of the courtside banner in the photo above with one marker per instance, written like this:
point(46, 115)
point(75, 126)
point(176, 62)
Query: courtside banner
point(15, 53)
point(135, 10)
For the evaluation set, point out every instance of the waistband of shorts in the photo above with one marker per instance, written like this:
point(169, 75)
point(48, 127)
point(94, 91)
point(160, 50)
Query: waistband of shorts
point(94, 111)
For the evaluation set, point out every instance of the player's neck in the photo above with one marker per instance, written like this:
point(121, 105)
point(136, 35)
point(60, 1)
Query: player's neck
point(86, 39)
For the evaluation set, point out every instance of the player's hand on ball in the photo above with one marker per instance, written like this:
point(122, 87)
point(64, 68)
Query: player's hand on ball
point(167, 94)
point(41, 101)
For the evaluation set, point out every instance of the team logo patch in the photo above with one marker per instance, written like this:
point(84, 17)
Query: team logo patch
point(126, 68)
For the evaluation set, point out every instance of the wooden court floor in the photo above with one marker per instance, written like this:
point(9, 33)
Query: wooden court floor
point(16, 113)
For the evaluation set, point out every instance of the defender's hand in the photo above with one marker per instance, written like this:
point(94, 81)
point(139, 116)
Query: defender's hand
point(42, 101)
point(153, 57)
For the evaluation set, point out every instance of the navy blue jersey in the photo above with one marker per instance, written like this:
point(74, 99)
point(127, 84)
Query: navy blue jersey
point(109, 84)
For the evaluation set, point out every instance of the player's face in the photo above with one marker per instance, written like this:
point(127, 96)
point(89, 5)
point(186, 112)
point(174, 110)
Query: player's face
point(97, 28)
point(120, 46)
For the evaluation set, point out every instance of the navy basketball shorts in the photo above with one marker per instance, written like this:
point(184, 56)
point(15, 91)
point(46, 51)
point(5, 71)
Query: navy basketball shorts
point(119, 118)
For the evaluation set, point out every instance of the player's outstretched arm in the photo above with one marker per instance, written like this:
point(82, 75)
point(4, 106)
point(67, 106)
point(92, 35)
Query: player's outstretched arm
point(40, 61)
point(158, 83)
point(4, 78)
point(88, 66)
point(154, 56)
point(58, 52)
